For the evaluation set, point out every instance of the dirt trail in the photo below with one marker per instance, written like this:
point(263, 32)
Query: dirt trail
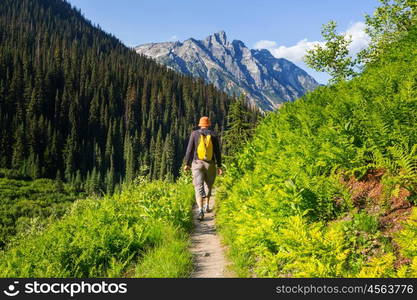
point(209, 259)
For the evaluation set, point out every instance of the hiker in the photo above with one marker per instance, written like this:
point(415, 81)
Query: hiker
point(203, 153)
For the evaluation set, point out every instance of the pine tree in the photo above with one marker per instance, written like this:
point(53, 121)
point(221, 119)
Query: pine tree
point(93, 184)
point(157, 155)
point(78, 182)
point(239, 128)
point(33, 168)
point(129, 159)
point(131, 109)
point(70, 161)
point(59, 186)
point(167, 161)
point(19, 148)
point(109, 181)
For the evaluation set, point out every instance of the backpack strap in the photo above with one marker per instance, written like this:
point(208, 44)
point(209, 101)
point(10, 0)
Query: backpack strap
point(200, 131)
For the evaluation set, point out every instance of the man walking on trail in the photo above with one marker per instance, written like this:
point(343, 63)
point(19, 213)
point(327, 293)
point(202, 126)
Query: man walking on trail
point(203, 153)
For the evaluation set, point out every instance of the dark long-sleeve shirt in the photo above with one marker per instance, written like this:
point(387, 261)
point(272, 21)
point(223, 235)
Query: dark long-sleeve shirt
point(191, 153)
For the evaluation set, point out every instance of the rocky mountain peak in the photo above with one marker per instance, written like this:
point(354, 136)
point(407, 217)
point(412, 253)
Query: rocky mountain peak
point(221, 37)
point(217, 38)
point(267, 81)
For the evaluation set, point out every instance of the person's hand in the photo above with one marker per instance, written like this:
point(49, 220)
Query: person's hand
point(219, 171)
point(186, 168)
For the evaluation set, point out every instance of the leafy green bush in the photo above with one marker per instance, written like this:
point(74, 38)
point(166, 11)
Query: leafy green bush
point(383, 266)
point(105, 236)
point(407, 237)
point(365, 222)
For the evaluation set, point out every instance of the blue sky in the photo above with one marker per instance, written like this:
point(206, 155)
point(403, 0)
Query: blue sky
point(282, 26)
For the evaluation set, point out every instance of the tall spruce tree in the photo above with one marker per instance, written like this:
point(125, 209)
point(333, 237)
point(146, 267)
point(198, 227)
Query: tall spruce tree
point(240, 123)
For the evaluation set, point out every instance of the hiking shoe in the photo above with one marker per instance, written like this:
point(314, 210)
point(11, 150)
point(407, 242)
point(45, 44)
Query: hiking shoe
point(207, 209)
point(201, 216)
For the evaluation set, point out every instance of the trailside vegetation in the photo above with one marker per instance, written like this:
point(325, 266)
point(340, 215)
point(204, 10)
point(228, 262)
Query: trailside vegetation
point(140, 232)
point(327, 187)
point(26, 204)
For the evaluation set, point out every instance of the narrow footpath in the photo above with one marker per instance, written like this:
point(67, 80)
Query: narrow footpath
point(208, 253)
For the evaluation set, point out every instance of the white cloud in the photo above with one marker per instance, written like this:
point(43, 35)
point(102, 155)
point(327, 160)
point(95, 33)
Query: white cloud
point(265, 44)
point(360, 38)
point(295, 53)
point(174, 38)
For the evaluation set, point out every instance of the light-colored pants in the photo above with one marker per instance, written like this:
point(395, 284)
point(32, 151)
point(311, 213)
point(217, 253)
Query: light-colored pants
point(204, 174)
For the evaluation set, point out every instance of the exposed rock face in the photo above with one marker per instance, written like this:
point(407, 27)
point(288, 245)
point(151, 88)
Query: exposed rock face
point(231, 66)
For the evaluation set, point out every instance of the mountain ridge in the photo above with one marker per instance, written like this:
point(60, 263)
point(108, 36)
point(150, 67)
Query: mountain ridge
point(231, 66)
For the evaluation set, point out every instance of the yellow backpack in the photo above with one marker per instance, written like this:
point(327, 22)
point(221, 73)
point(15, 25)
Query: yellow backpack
point(205, 148)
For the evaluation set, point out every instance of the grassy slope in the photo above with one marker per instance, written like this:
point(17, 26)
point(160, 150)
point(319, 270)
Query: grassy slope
point(321, 188)
point(111, 237)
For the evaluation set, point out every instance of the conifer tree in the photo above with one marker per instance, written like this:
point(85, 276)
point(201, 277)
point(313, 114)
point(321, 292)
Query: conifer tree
point(129, 159)
point(157, 155)
point(239, 127)
point(59, 186)
point(167, 160)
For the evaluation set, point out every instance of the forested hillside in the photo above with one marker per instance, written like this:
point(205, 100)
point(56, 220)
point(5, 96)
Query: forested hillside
point(78, 105)
point(328, 185)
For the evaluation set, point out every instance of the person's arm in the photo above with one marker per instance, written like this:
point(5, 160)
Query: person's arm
point(217, 152)
point(189, 155)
